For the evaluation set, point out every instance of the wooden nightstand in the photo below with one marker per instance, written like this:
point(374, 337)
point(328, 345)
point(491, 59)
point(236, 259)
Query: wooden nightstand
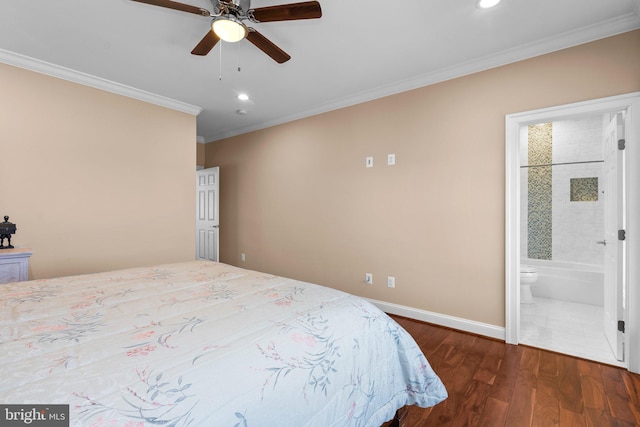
point(14, 265)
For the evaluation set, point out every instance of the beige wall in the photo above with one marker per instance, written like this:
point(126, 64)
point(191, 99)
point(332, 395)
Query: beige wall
point(200, 153)
point(94, 181)
point(299, 202)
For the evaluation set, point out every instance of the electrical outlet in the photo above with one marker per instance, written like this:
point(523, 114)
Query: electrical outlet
point(391, 282)
point(369, 162)
point(368, 279)
point(242, 257)
point(391, 159)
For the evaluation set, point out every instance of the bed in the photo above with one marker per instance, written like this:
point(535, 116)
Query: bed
point(206, 344)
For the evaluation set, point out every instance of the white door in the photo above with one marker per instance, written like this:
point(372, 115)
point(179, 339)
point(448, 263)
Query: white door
point(207, 222)
point(614, 247)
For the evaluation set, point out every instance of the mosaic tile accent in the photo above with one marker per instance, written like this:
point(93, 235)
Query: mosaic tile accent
point(584, 189)
point(540, 191)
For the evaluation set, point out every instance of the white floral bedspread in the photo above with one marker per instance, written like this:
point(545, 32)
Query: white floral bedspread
point(206, 344)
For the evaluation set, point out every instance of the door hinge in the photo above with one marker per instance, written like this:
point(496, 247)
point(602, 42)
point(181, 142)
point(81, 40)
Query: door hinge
point(621, 326)
point(622, 235)
point(622, 144)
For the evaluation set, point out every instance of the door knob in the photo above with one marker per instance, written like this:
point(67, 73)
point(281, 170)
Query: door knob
point(601, 242)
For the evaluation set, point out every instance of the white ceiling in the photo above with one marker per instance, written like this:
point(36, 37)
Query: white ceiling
point(359, 50)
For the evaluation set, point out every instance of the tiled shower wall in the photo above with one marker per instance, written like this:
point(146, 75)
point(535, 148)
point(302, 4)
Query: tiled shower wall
point(540, 189)
point(578, 224)
point(557, 224)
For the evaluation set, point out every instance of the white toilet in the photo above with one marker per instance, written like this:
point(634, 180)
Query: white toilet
point(528, 276)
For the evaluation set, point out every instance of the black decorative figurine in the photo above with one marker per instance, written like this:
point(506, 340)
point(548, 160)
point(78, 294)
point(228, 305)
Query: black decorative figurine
point(6, 230)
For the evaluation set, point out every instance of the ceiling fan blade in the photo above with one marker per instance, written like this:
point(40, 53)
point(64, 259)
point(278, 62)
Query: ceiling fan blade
point(177, 6)
point(287, 12)
point(206, 44)
point(262, 43)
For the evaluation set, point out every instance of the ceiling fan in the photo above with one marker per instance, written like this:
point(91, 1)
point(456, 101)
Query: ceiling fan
point(228, 25)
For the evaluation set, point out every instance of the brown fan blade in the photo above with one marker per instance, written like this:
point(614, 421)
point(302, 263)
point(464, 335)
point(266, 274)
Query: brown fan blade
point(206, 44)
point(262, 43)
point(287, 12)
point(177, 6)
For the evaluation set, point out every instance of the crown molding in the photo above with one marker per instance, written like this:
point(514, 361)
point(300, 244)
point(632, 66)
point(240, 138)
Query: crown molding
point(612, 27)
point(42, 67)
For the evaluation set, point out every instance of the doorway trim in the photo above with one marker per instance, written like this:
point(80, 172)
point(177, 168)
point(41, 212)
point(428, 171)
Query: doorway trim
point(513, 124)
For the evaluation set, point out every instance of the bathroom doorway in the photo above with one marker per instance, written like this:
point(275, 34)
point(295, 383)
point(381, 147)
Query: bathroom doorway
point(557, 172)
point(566, 183)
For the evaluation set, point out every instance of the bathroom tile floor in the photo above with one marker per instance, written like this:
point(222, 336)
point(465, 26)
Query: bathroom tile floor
point(566, 327)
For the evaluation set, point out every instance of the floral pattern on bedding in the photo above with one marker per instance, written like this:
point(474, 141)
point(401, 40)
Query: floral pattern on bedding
point(206, 344)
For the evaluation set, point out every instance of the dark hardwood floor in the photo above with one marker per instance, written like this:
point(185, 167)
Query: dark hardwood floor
point(491, 383)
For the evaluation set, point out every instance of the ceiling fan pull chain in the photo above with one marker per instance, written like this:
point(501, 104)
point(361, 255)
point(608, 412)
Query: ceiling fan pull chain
point(220, 63)
point(238, 57)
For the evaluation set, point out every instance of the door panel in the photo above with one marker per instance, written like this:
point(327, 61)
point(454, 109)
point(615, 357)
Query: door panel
point(211, 205)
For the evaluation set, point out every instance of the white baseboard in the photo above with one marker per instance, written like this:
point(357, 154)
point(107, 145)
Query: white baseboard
point(459, 323)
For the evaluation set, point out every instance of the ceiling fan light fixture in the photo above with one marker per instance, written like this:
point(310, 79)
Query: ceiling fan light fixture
point(229, 28)
point(486, 4)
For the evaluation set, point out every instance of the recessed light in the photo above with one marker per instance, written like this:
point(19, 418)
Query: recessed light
point(243, 97)
point(485, 4)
